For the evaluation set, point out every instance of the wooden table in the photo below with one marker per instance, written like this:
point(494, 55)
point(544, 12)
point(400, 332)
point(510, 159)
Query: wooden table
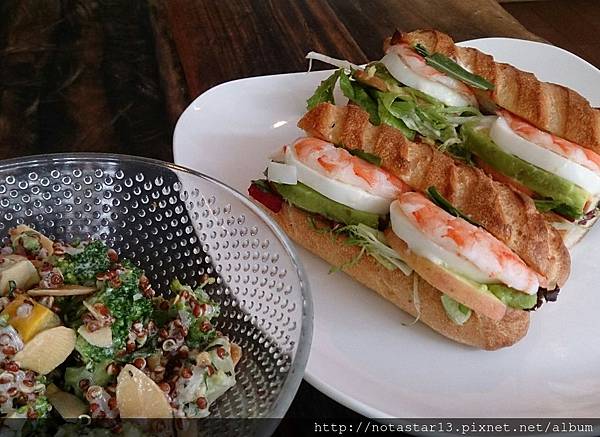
point(113, 76)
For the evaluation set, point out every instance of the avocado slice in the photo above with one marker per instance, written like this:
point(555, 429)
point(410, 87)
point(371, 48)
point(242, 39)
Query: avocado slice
point(310, 200)
point(547, 185)
point(513, 298)
point(509, 296)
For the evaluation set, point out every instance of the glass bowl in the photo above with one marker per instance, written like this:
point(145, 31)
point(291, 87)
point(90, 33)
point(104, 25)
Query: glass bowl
point(175, 222)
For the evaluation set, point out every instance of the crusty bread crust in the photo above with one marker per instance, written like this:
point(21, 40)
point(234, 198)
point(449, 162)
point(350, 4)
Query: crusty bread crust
point(479, 331)
point(550, 107)
point(508, 215)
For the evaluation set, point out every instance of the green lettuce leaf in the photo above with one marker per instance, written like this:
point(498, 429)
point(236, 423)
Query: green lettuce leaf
point(324, 92)
point(358, 94)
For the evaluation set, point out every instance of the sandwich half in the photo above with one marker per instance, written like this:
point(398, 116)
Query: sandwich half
point(542, 139)
point(439, 239)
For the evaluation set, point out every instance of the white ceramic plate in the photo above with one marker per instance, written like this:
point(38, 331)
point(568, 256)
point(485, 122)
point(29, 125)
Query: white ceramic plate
point(362, 354)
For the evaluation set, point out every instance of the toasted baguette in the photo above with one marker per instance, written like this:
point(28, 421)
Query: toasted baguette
point(479, 331)
point(508, 215)
point(550, 107)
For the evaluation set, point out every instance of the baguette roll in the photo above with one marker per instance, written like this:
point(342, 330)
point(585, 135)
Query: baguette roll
point(479, 331)
point(550, 107)
point(505, 213)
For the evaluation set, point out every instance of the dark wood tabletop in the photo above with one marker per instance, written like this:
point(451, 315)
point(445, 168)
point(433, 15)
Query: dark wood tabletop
point(114, 75)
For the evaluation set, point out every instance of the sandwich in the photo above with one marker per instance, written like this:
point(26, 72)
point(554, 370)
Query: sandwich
point(466, 255)
point(542, 139)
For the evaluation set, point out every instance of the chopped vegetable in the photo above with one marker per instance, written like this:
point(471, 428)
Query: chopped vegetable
point(112, 320)
point(261, 191)
point(29, 317)
point(451, 68)
point(340, 63)
point(545, 205)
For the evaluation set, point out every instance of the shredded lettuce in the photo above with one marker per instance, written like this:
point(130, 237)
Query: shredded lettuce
point(404, 108)
point(373, 242)
point(427, 116)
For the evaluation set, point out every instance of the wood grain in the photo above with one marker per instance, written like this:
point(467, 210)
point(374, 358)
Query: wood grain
point(243, 38)
point(82, 75)
point(27, 51)
point(573, 25)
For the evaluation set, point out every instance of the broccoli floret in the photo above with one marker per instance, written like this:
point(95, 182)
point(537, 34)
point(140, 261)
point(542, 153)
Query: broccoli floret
point(196, 338)
point(83, 267)
point(126, 304)
point(96, 375)
point(201, 333)
point(41, 406)
point(176, 285)
point(91, 353)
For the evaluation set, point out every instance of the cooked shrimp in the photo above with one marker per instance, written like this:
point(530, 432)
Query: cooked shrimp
point(419, 66)
point(574, 152)
point(492, 258)
point(337, 163)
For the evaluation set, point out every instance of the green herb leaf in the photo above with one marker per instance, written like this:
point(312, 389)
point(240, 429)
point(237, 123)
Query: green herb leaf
point(324, 92)
point(421, 50)
point(446, 65)
point(440, 201)
point(369, 157)
point(430, 118)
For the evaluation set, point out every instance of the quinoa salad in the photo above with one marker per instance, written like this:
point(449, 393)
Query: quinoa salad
point(83, 333)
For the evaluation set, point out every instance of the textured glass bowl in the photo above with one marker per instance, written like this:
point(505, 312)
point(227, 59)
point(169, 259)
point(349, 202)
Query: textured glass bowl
point(175, 222)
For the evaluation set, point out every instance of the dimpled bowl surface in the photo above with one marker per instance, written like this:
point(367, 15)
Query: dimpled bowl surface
point(173, 222)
